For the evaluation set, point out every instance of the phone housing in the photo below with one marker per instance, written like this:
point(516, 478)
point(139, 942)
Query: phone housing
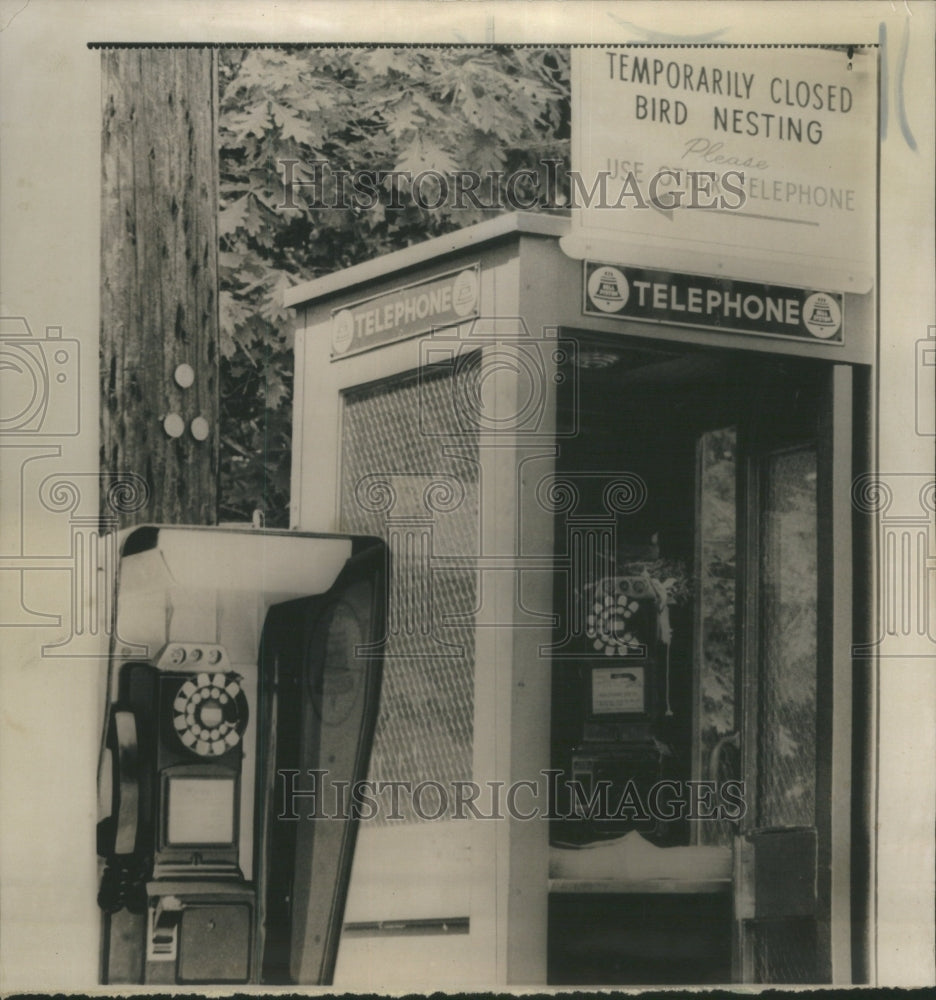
point(243, 664)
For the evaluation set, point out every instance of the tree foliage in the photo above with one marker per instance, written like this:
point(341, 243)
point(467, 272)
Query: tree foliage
point(377, 110)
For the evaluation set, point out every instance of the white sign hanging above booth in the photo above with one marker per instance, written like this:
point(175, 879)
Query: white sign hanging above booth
point(759, 162)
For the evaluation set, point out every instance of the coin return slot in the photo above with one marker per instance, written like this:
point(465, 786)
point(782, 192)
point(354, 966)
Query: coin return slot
point(162, 938)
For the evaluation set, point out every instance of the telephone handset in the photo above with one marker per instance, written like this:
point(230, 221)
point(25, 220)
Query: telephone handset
point(123, 881)
point(128, 783)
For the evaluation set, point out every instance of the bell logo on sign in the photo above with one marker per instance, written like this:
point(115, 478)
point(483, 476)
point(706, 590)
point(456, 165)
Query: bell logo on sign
point(821, 315)
point(465, 293)
point(342, 331)
point(608, 289)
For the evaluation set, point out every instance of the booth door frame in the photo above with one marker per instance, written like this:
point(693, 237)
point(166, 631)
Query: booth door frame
point(823, 852)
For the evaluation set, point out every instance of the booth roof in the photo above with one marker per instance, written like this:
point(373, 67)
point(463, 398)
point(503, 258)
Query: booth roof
point(514, 223)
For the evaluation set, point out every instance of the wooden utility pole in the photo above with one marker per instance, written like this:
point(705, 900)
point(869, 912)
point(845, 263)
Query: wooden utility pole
point(159, 280)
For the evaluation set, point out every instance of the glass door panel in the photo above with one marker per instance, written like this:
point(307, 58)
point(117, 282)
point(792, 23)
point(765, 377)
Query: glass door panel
point(787, 686)
point(715, 744)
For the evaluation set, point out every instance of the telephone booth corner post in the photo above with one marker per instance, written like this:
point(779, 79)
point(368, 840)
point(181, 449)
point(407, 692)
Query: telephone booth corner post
point(480, 403)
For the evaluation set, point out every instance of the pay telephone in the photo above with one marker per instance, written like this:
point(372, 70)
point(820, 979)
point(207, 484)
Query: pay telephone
point(236, 655)
point(612, 704)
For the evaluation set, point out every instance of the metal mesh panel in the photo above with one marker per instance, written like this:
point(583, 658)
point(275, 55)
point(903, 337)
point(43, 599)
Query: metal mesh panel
point(784, 951)
point(399, 483)
point(787, 768)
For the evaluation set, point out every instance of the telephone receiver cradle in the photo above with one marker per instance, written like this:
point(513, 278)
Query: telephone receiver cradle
point(200, 883)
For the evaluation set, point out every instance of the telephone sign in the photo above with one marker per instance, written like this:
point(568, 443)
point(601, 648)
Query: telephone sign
point(636, 293)
point(445, 300)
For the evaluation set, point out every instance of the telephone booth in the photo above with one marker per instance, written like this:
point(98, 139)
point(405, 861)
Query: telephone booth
point(621, 737)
